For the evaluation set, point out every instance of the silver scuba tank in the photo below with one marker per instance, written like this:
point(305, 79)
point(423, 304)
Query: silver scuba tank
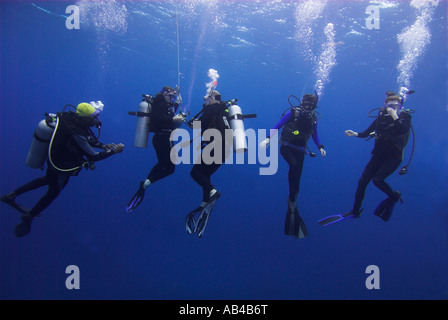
point(237, 125)
point(142, 128)
point(38, 151)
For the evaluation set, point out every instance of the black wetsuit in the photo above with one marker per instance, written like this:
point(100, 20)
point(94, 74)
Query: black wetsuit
point(161, 123)
point(72, 146)
point(213, 117)
point(390, 140)
point(297, 130)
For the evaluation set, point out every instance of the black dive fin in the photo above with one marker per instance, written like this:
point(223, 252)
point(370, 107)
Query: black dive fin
point(386, 207)
point(23, 228)
point(190, 225)
point(294, 225)
point(204, 216)
point(198, 224)
point(14, 204)
point(136, 199)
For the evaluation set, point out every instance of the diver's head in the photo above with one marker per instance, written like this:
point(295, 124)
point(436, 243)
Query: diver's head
point(309, 102)
point(88, 115)
point(169, 95)
point(212, 98)
point(393, 100)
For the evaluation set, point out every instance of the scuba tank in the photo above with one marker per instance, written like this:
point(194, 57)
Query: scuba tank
point(234, 114)
point(236, 118)
point(38, 151)
point(143, 121)
point(237, 125)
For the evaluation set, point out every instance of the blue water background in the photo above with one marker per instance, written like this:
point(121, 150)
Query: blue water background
point(244, 253)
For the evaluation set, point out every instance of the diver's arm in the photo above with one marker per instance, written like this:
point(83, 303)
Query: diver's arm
point(178, 119)
point(91, 154)
point(316, 140)
point(97, 145)
point(402, 124)
point(280, 124)
point(364, 134)
point(265, 143)
point(206, 117)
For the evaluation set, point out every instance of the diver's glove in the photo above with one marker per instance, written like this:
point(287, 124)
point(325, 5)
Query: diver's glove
point(178, 119)
point(109, 146)
point(351, 133)
point(393, 113)
point(323, 152)
point(117, 148)
point(265, 143)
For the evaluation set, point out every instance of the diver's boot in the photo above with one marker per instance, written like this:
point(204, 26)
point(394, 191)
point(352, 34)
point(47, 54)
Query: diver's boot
point(352, 214)
point(397, 196)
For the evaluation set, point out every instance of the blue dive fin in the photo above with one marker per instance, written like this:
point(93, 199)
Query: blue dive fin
point(337, 218)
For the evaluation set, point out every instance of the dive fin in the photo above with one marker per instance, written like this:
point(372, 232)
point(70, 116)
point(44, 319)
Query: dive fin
point(303, 233)
point(294, 225)
point(204, 216)
point(190, 225)
point(337, 218)
point(330, 220)
point(386, 207)
point(199, 224)
point(136, 199)
point(23, 228)
point(14, 204)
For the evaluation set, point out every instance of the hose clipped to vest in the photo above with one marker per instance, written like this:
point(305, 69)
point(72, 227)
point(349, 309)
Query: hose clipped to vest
point(84, 164)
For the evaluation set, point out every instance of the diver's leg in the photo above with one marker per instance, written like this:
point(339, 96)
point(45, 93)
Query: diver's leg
point(164, 167)
point(372, 167)
point(201, 174)
point(295, 159)
point(386, 207)
point(30, 186)
point(56, 182)
point(388, 167)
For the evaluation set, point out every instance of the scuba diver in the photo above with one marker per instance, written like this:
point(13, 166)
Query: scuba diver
point(214, 116)
point(161, 120)
point(391, 130)
point(299, 124)
point(67, 152)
